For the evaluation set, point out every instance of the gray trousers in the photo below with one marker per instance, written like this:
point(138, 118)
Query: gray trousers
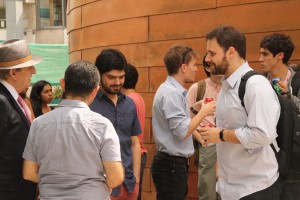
point(207, 173)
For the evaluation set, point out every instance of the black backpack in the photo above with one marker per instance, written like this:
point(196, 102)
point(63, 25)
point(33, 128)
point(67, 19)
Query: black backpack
point(288, 130)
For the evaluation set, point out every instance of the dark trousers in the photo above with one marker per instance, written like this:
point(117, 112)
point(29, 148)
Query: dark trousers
point(291, 191)
point(170, 179)
point(143, 164)
point(271, 193)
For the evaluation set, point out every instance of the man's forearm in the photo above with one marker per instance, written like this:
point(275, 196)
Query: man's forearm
point(229, 136)
point(195, 121)
point(136, 153)
point(30, 171)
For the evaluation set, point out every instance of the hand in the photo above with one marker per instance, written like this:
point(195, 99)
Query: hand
point(198, 137)
point(210, 135)
point(197, 106)
point(208, 108)
point(283, 87)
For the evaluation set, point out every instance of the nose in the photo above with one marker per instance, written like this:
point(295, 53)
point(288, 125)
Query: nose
point(260, 58)
point(207, 58)
point(117, 81)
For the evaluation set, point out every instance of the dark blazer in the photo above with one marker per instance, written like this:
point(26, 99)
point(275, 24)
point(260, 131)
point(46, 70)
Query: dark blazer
point(14, 129)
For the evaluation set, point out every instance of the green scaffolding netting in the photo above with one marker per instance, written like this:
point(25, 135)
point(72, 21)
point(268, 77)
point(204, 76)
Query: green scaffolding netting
point(56, 60)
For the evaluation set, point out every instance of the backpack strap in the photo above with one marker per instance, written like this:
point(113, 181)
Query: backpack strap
point(295, 84)
point(242, 87)
point(201, 89)
point(242, 90)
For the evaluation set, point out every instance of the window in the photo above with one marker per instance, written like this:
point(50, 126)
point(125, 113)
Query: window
point(51, 13)
point(2, 14)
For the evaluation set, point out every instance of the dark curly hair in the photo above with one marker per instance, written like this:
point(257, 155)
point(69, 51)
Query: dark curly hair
point(131, 77)
point(277, 43)
point(110, 59)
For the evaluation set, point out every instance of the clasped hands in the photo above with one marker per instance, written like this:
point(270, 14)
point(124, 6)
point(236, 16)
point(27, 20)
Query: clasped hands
point(207, 136)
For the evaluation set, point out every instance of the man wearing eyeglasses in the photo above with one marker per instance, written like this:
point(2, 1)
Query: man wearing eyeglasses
point(172, 126)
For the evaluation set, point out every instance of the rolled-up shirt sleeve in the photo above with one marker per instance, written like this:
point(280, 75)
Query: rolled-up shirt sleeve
point(176, 114)
point(262, 117)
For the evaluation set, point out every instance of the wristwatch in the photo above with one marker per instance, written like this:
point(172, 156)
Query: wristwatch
point(193, 110)
point(221, 135)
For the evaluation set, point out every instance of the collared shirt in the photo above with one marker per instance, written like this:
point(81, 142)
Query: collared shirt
point(125, 120)
point(15, 95)
point(171, 119)
point(250, 166)
point(69, 145)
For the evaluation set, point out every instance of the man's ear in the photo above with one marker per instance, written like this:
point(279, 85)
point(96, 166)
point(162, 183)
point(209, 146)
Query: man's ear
point(12, 73)
point(62, 84)
point(94, 92)
point(183, 67)
point(280, 55)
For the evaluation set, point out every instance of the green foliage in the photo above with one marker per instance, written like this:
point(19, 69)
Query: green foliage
point(57, 92)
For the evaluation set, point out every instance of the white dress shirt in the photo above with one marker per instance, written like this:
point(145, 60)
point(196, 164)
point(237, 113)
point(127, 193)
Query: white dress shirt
point(250, 166)
point(15, 95)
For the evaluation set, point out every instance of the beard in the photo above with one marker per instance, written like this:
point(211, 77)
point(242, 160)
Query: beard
point(110, 89)
point(220, 69)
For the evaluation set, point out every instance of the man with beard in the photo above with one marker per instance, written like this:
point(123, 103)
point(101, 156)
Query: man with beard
point(248, 167)
point(121, 111)
point(172, 125)
point(275, 52)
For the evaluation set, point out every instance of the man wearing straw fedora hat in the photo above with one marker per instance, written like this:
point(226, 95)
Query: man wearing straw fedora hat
point(16, 69)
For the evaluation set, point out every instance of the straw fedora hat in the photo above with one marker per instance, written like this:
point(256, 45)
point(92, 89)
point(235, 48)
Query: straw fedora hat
point(15, 53)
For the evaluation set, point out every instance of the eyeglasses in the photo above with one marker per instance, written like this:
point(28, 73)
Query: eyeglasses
point(188, 49)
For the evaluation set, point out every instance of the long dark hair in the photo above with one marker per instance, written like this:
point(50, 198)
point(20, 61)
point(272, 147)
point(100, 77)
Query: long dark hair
point(35, 97)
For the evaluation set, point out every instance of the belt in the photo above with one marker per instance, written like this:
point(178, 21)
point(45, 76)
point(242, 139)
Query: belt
point(173, 158)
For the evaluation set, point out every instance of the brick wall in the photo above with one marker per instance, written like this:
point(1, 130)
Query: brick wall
point(144, 29)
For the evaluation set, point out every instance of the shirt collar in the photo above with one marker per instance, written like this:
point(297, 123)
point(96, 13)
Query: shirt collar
point(11, 89)
point(73, 103)
point(174, 82)
point(101, 95)
point(237, 74)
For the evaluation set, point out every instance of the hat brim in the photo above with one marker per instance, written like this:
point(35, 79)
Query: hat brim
point(35, 60)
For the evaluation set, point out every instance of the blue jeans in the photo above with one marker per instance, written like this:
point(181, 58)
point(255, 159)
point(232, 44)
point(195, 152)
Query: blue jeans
point(170, 179)
point(143, 164)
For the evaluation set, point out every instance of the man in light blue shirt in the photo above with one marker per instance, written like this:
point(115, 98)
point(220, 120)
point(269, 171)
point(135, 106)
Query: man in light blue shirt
point(248, 167)
point(172, 126)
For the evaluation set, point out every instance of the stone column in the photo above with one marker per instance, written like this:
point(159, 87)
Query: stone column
point(14, 19)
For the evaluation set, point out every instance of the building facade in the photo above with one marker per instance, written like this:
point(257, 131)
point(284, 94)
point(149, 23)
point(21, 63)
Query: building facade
point(36, 21)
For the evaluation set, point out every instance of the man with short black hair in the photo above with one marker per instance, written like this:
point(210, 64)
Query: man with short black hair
point(121, 111)
point(73, 152)
point(275, 52)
